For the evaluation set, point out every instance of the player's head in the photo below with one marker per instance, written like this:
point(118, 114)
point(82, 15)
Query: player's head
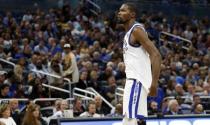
point(126, 12)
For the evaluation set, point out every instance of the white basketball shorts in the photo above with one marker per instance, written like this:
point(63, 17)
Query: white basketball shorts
point(134, 100)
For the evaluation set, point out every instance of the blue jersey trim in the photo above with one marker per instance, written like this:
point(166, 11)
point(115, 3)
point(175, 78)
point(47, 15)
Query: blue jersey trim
point(131, 99)
point(138, 98)
point(133, 45)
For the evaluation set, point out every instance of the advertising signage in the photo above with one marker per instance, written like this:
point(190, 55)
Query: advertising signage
point(151, 121)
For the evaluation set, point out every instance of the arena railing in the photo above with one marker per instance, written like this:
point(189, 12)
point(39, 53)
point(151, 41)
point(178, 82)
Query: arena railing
point(8, 62)
point(108, 103)
point(84, 101)
point(83, 93)
point(70, 100)
point(187, 97)
point(48, 74)
point(44, 99)
point(56, 88)
point(59, 77)
point(92, 93)
point(205, 100)
point(119, 93)
point(6, 100)
point(175, 39)
point(97, 9)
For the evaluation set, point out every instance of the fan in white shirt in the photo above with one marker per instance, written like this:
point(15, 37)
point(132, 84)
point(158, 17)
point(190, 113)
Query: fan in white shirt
point(91, 111)
point(5, 115)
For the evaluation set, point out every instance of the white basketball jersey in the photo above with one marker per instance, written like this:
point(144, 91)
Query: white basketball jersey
point(136, 59)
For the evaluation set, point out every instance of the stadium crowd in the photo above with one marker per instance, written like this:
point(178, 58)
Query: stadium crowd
point(86, 49)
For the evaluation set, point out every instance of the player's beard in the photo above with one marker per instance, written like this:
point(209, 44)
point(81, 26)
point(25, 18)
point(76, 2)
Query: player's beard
point(121, 21)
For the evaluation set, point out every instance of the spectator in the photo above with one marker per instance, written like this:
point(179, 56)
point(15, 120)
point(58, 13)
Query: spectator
point(199, 86)
point(170, 88)
point(184, 107)
point(2, 53)
point(5, 114)
point(120, 71)
point(188, 33)
point(191, 76)
point(15, 111)
point(94, 82)
point(10, 80)
point(27, 16)
point(55, 68)
point(118, 111)
point(78, 107)
point(37, 64)
point(196, 100)
point(153, 108)
point(190, 94)
point(41, 48)
point(106, 74)
point(27, 50)
point(2, 77)
point(38, 91)
point(198, 109)
point(4, 91)
point(173, 107)
point(206, 89)
point(207, 78)
point(101, 109)
point(60, 110)
point(57, 105)
point(20, 92)
point(109, 91)
point(69, 64)
point(83, 82)
point(96, 58)
point(164, 50)
point(53, 47)
point(32, 116)
point(33, 63)
point(18, 73)
point(91, 111)
point(179, 91)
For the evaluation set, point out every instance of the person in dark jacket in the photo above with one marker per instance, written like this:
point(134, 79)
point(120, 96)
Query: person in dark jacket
point(174, 108)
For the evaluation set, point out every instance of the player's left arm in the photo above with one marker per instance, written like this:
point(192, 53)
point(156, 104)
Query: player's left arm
point(140, 36)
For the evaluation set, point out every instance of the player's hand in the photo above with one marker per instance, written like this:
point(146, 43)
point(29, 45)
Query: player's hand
point(153, 90)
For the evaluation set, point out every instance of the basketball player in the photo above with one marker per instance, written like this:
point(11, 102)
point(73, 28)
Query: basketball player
point(142, 60)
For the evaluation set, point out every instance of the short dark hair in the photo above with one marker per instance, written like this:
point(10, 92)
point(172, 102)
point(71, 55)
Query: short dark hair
point(132, 7)
point(4, 86)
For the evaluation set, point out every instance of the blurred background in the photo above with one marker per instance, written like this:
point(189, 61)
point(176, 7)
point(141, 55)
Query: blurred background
point(63, 59)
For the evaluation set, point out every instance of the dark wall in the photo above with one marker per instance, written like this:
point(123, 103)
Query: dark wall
point(171, 9)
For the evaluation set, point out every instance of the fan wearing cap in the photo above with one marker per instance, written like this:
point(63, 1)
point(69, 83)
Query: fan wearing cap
point(69, 64)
